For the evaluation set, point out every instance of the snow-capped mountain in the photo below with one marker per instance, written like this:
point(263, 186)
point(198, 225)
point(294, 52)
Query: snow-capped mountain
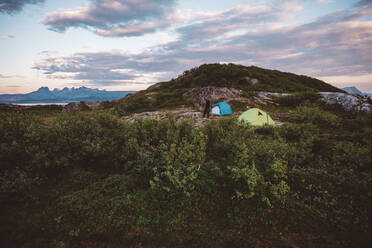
point(45, 95)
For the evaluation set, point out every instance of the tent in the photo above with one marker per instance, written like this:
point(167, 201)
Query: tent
point(221, 108)
point(256, 117)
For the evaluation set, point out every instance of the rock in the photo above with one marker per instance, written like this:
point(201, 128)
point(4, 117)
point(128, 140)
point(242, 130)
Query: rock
point(215, 94)
point(72, 106)
point(348, 102)
point(81, 106)
point(264, 97)
point(156, 115)
point(178, 115)
point(254, 81)
point(270, 95)
point(93, 105)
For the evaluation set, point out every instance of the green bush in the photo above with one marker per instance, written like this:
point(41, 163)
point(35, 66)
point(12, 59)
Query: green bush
point(136, 105)
point(296, 99)
point(93, 177)
point(314, 115)
point(238, 106)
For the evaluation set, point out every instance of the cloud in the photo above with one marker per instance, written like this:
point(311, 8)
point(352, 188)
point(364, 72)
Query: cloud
point(324, 1)
point(14, 6)
point(115, 17)
point(8, 36)
point(365, 3)
point(48, 52)
point(336, 44)
point(92, 68)
point(3, 76)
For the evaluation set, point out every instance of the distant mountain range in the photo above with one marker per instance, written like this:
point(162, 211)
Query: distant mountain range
point(44, 95)
point(353, 90)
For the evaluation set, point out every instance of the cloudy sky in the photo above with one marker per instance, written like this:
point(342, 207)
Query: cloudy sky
point(130, 44)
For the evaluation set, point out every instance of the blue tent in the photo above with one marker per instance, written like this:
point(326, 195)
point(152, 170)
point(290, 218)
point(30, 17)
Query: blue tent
point(221, 108)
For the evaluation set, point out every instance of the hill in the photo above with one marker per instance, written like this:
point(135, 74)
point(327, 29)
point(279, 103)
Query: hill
point(247, 80)
point(45, 95)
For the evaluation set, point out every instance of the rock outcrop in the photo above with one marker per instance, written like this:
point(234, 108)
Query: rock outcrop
point(215, 94)
point(81, 106)
point(178, 115)
point(348, 102)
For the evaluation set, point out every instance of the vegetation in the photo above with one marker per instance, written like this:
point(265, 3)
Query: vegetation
point(298, 98)
point(248, 79)
point(92, 180)
point(242, 77)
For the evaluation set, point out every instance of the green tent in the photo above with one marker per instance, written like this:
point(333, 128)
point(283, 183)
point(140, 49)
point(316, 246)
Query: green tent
point(256, 117)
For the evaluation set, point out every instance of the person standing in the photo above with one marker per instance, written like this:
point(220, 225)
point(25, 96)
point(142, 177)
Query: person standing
point(206, 107)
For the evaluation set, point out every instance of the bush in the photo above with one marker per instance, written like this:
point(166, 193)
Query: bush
point(238, 105)
point(296, 99)
point(91, 176)
point(135, 105)
point(314, 115)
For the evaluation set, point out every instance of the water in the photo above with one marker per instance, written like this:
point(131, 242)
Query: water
point(43, 103)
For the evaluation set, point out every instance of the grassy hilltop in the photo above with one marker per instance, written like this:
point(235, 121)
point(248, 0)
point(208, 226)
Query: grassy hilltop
point(245, 78)
point(92, 179)
point(249, 80)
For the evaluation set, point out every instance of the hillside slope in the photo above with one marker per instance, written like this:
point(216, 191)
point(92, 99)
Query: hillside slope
point(248, 80)
point(245, 78)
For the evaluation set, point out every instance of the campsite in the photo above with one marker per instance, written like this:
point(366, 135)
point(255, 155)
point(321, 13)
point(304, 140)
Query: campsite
point(257, 173)
point(186, 124)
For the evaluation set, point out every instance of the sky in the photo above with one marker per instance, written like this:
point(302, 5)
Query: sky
point(131, 44)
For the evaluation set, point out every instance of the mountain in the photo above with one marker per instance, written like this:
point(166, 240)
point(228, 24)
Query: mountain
point(45, 95)
point(216, 80)
point(354, 91)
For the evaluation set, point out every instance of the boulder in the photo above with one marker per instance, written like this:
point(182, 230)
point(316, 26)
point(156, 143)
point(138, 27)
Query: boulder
point(178, 115)
point(81, 106)
point(215, 94)
point(347, 101)
point(72, 106)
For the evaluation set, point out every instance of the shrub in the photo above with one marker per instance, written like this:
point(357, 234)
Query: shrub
point(238, 105)
point(91, 176)
point(314, 115)
point(296, 99)
point(135, 105)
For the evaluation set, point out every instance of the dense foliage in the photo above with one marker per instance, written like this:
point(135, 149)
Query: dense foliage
point(91, 177)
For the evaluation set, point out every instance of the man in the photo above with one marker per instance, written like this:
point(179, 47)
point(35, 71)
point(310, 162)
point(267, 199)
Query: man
point(207, 107)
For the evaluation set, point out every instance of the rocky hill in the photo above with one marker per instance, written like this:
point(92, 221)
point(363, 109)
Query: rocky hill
point(228, 82)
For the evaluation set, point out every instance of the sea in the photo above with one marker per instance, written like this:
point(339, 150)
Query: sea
point(41, 103)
